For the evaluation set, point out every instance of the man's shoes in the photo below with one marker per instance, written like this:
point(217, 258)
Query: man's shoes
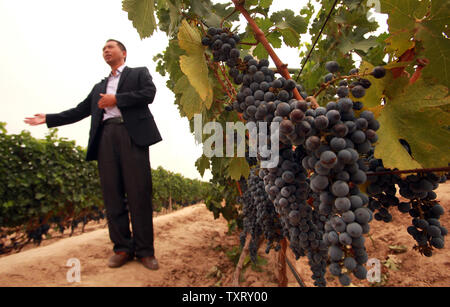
point(150, 262)
point(119, 259)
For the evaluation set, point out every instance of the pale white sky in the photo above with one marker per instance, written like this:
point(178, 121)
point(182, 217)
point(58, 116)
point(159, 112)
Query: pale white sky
point(52, 57)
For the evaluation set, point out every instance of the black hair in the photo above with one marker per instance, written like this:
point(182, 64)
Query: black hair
point(121, 46)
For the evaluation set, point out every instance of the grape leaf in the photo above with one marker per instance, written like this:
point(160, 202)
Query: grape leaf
point(142, 15)
point(296, 22)
point(203, 8)
point(202, 164)
point(274, 39)
point(238, 167)
point(265, 4)
point(413, 113)
point(260, 52)
point(167, 14)
point(433, 32)
point(374, 93)
point(400, 42)
point(290, 37)
point(190, 100)
point(264, 24)
point(403, 13)
point(224, 10)
point(194, 64)
point(425, 21)
point(364, 44)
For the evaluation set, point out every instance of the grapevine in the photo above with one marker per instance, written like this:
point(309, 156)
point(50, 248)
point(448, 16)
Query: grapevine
point(342, 128)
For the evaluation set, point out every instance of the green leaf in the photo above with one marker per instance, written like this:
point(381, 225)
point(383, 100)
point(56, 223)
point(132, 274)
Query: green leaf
point(260, 52)
point(190, 100)
point(174, 16)
point(194, 64)
point(434, 33)
point(413, 113)
point(290, 37)
point(364, 44)
point(403, 13)
point(264, 23)
point(425, 21)
point(265, 4)
point(39, 196)
point(224, 10)
point(204, 9)
point(202, 164)
point(238, 167)
point(274, 39)
point(250, 3)
point(296, 22)
point(141, 13)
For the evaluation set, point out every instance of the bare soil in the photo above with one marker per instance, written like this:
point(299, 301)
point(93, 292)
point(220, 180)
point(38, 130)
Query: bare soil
point(191, 247)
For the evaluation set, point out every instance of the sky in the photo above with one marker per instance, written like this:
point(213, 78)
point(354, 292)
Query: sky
point(52, 57)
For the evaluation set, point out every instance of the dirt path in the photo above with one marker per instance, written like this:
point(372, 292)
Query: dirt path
point(188, 244)
point(408, 268)
point(191, 247)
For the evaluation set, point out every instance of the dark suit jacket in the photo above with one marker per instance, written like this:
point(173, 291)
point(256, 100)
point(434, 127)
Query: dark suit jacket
point(134, 92)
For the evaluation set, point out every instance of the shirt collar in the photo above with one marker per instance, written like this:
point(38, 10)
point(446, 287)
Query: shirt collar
point(119, 70)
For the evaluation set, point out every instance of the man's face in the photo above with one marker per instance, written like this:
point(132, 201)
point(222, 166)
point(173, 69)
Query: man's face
point(112, 53)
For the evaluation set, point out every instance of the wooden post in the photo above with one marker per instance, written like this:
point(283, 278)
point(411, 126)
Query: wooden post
point(282, 277)
point(244, 253)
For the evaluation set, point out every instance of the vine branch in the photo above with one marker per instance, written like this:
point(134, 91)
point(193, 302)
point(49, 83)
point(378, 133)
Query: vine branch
point(417, 170)
point(260, 37)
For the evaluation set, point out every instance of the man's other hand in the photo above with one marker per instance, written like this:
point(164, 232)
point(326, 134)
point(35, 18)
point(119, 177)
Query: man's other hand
point(107, 100)
point(38, 119)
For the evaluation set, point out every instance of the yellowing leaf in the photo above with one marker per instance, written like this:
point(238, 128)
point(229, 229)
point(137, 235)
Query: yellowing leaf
point(194, 64)
point(238, 167)
point(374, 93)
point(392, 263)
point(189, 101)
point(413, 113)
point(399, 42)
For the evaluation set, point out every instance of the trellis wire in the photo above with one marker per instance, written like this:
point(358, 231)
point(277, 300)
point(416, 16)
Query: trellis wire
point(317, 39)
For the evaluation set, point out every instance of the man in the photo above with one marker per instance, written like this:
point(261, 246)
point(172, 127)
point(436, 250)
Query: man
point(122, 129)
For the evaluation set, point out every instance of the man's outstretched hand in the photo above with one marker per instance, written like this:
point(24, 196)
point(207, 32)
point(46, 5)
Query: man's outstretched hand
point(38, 119)
point(107, 100)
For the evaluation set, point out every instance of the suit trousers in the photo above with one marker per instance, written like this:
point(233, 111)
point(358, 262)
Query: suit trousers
point(125, 177)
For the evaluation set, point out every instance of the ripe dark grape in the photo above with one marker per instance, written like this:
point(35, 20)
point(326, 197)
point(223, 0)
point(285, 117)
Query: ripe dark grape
point(332, 66)
point(378, 72)
point(358, 91)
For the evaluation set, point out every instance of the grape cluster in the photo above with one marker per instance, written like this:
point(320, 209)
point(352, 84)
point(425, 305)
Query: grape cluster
point(335, 144)
point(36, 234)
point(288, 188)
point(222, 43)
point(422, 206)
point(261, 92)
point(323, 213)
point(382, 190)
point(259, 216)
point(39, 229)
